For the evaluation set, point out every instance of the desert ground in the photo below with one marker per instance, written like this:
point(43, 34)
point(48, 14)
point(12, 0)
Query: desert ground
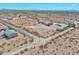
point(37, 35)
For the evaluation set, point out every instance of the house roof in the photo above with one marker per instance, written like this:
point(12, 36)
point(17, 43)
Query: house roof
point(9, 31)
point(59, 26)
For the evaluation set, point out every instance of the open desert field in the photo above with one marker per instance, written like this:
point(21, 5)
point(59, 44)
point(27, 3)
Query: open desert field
point(39, 33)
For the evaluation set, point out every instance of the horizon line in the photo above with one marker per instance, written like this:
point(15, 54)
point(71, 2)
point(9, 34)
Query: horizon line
point(37, 9)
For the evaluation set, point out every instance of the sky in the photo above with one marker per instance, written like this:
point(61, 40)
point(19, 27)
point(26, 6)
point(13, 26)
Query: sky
point(40, 6)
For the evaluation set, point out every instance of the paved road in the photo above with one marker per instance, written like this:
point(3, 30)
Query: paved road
point(24, 32)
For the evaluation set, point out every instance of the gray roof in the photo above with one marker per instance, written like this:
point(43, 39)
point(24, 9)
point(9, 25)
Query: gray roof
point(59, 26)
point(10, 33)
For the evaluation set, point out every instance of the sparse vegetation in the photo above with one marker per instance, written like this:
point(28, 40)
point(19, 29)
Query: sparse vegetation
point(30, 22)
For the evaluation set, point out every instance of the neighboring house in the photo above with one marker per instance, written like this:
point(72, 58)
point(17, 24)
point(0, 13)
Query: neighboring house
point(59, 26)
point(45, 22)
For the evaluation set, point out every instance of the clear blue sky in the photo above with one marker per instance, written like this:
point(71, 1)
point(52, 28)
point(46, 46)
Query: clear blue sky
point(40, 6)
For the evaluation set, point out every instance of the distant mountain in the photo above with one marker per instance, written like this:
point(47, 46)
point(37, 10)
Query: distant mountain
point(40, 11)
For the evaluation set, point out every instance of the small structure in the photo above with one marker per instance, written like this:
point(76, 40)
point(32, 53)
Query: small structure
point(1, 34)
point(70, 23)
point(59, 27)
point(9, 33)
point(5, 19)
point(76, 24)
point(2, 27)
point(45, 22)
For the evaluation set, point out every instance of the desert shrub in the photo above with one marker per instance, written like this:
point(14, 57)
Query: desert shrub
point(4, 44)
point(22, 52)
point(26, 49)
